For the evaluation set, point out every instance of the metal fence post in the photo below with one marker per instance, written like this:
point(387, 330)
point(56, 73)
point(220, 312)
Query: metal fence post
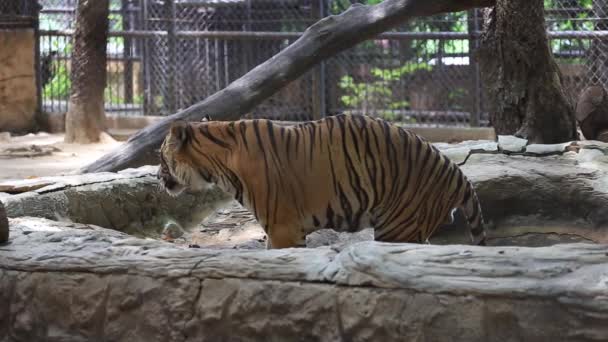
point(474, 29)
point(318, 74)
point(127, 51)
point(35, 12)
point(145, 67)
point(171, 100)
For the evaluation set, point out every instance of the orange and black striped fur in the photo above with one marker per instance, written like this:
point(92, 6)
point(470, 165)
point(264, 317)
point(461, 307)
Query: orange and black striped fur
point(343, 172)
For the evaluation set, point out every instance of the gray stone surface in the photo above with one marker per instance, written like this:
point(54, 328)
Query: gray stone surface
point(129, 201)
point(558, 194)
point(458, 152)
point(83, 283)
point(510, 143)
point(542, 195)
point(541, 149)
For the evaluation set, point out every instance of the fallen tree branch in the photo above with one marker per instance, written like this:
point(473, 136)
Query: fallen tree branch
point(320, 41)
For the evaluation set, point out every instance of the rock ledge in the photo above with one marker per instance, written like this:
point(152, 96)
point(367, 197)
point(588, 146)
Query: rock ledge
point(79, 283)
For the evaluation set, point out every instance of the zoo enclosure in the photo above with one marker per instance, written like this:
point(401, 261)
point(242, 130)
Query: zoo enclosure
point(167, 55)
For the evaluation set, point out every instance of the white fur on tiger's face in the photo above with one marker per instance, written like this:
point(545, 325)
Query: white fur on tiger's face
point(345, 172)
point(168, 182)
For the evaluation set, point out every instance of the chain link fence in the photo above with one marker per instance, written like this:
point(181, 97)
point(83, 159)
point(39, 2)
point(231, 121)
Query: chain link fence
point(578, 33)
point(165, 55)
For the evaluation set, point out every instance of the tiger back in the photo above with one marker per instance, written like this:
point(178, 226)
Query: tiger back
point(343, 172)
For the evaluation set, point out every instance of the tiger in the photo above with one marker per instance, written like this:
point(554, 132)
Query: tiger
point(344, 172)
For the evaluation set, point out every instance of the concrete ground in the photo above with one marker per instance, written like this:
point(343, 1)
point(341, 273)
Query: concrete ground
point(63, 159)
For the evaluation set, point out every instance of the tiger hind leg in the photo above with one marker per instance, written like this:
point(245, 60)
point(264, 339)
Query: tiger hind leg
point(285, 236)
point(471, 209)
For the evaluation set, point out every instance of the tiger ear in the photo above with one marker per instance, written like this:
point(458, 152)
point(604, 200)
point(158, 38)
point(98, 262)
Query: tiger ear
point(180, 132)
point(206, 118)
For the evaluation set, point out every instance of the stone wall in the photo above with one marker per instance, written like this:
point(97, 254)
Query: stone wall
point(17, 80)
point(129, 201)
point(76, 282)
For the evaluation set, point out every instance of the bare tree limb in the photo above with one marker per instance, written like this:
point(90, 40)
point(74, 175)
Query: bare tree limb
point(320, 41)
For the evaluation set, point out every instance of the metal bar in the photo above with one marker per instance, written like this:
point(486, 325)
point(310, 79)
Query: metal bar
point(577, 34)
point(216, 60)
point(322, 69)
point(318, 79)
point(296, 35)
point(231, 3)
point(111, 57)
point(238, 35)
point(247, 46)
point(266, 34)
point(171, 103)
point(127, 51)
point(209, 4)
point(147, 96)
point(72, 10)
point(138, 33)
point(18, 17)
point(226, 63)
point(473, 46)
point(573, 10)
point(39, 112)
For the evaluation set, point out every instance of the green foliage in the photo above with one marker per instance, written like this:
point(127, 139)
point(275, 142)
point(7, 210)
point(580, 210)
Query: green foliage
point(138, 99)
point(110, 96)
point(116, 24)
point(379, 93)
point(115, 4)
point(115, 96)
point(555, 3)
point(456, 97)
point(570, 22)
point(59, 86)
point(397, 73)
point(358, 92)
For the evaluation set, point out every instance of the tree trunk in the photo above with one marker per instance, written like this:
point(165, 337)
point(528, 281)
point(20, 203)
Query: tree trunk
point(322, 40)
point(85, 119)
point(522, 79)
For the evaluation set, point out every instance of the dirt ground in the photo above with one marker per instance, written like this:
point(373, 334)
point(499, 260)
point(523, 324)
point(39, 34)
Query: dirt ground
point(50, 156)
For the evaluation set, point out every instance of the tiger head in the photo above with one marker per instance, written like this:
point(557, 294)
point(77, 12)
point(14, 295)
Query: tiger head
point(179, 169)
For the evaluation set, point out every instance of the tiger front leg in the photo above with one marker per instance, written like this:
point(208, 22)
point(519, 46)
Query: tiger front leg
point(285, 236)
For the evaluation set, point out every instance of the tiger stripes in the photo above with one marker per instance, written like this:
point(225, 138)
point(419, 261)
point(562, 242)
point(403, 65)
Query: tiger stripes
point(345, 172)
